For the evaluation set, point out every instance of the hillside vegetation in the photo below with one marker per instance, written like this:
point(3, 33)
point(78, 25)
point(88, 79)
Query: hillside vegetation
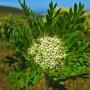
point(9, 10)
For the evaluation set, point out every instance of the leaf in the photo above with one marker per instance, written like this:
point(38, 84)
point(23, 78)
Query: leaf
point(81, 7)
point(70, 12)
point(36, 78)
point(57, 13)
point(75, 9)
point(21, 83)
point(55, 5)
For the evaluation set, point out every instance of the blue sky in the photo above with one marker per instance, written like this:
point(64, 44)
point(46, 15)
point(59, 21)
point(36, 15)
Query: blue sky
point(39, 5)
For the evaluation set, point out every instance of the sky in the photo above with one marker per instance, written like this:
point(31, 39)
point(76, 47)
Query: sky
point(42, 5)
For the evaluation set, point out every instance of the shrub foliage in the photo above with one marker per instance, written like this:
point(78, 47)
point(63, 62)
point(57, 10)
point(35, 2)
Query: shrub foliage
point(68, 26)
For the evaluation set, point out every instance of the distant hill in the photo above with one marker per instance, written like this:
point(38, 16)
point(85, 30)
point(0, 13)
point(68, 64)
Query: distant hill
point(4, 10)
point(10, 10)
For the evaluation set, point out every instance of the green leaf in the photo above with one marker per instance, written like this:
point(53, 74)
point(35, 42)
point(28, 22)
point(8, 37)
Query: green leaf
point(75, 9)
point(21, 83)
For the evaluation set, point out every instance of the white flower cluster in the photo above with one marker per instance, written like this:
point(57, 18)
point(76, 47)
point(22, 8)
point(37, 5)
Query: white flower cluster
point(48, 52)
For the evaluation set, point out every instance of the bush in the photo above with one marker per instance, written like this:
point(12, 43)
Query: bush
point(66, 27)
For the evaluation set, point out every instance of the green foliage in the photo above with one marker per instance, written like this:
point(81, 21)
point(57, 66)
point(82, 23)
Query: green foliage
point(71, 21)
point(51, 19)
point(24, 78)
point(68, 26)
point(71, 31)
point(52, 14)
point(87, 28)
point(16, 34)
point(35, 23)
point(18, 38)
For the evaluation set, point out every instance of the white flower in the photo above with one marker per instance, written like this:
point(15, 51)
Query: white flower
point(48, 53)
